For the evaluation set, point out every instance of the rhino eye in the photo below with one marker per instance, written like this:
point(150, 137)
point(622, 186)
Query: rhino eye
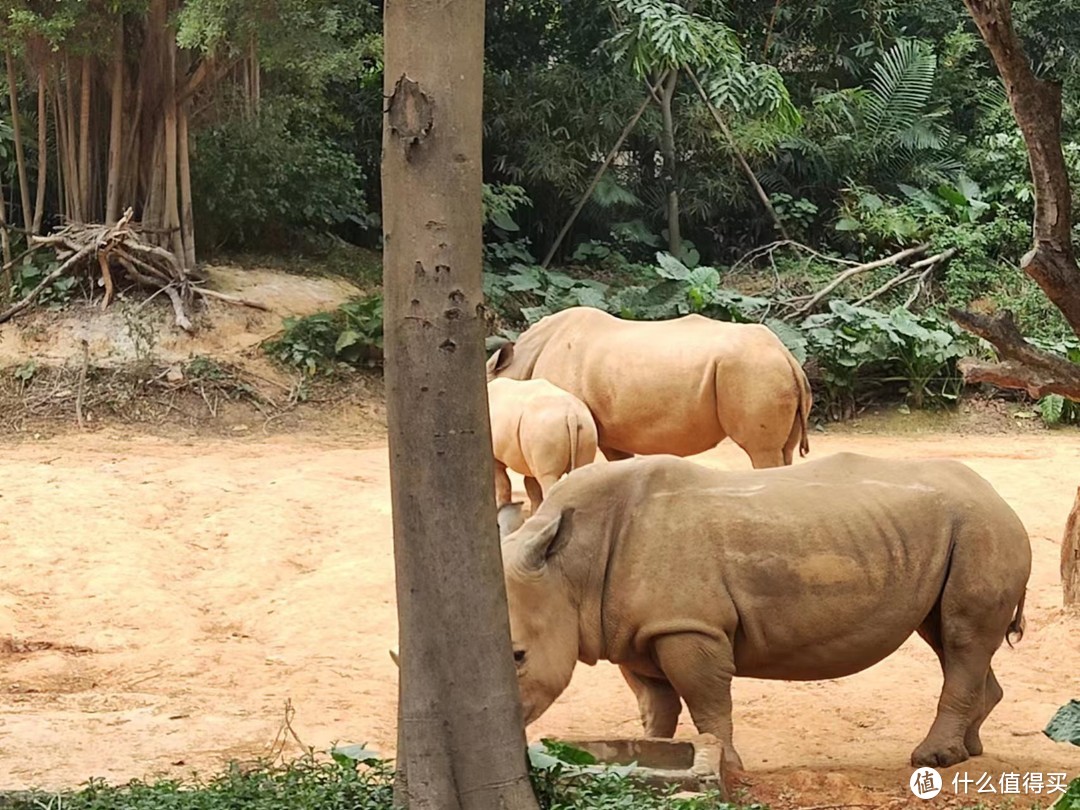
point(519, 657)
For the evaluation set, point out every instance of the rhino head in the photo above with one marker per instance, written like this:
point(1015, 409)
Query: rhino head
point(543, 613)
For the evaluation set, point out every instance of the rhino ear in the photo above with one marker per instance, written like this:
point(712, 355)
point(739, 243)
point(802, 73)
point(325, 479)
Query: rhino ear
point(395, 659)
point(510, 518)
point(500, 360)
point(545, 541)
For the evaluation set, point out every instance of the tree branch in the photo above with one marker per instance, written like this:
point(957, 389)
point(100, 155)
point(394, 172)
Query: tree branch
point(896, 258)
point(1022, 366)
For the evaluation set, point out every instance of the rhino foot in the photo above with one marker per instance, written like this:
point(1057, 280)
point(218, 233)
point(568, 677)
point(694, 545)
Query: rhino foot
point(938, 756)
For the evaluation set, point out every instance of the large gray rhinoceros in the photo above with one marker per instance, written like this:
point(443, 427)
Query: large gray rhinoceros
point(686, 576)
point(677, 387)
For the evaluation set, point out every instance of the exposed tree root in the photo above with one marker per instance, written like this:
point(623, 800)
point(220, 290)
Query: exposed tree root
point(116, 251)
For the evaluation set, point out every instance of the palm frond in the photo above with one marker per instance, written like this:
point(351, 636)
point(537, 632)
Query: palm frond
point(901, 86)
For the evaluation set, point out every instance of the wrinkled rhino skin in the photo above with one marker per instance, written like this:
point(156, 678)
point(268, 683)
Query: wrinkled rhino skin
point(539, 431)
point(675, 387)
point(686, 576)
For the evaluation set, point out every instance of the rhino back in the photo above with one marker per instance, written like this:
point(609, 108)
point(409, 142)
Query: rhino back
point(815, 571)
point(652, 386)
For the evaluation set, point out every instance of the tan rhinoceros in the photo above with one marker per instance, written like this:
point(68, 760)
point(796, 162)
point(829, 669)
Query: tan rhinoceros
point(675, 387)
point(687, 576)
point(540, 432)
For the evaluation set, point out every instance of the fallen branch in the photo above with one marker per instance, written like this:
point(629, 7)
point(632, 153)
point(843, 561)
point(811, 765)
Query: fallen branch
point(178, 310)
point(1021, 366)
point(232, 299)
point(82, 383)
point(896, 258)
point(911, 272)
point(772, 247)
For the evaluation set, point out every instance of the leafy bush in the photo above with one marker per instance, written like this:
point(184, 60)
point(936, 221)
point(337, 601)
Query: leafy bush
point(352, 335)
point(856, 345)
point(254, 178)
point(28, 275)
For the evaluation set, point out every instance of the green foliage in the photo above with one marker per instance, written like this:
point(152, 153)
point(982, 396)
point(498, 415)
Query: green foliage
point(356, 778)
point(273, 173)
point(659, 35)
point(568, 778)
point(351, 335)
point(856, 346)
point(30, 273)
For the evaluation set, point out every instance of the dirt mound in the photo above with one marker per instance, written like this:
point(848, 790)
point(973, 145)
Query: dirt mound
point(136, 331)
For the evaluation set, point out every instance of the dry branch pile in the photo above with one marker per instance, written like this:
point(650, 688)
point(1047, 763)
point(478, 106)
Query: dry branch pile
point(119, 251)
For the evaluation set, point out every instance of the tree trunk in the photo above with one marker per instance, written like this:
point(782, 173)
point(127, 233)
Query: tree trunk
point(84, 139)
point(1070, 556)
point(74, 183)
point(116, 131)
point(43, 151)
point(20, 155)
point(1036, 106)
point(5, 250)
point(187, 216)
point(667, 148)
point(172, 201)
point(461, 736)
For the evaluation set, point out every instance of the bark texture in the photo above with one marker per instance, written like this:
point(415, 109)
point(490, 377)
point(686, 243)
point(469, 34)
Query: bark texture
point(667, 148)
point(460, 730)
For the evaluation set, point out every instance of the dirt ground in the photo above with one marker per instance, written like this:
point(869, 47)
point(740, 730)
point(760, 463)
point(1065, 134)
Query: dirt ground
point(163, 597)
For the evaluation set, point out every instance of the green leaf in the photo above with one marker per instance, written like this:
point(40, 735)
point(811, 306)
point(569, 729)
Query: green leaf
point(354, 753)
point(1064, 726)
point(346, 339)
point(671, 268)
point(502, 220)
point(847, 224)
point(1052, 407)
point(520, 282)
point(568, 753)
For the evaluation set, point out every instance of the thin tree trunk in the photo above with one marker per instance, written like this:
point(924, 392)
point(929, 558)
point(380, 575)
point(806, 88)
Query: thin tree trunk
point(667, 148)
point(172, 203)
point(20, 155)
point(42, 150)
point(84, 139)
point(5, 248)
point(461, 737)
point(74, 182)
point(187, 216)
point(61, 170)
point(116, 133)
point(739, 156)
point(596, 178)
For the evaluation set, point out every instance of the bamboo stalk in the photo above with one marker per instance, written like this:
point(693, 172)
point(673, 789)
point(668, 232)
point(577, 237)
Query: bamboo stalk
point(16, 128)
point(116, 133)
point(43, 153)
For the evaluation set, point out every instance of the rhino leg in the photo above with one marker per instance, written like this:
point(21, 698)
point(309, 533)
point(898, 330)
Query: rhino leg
point(700, 668)
point(502, 484)
point(536, 493)
point(992, 691)
point(658, 704)
point(965, 631)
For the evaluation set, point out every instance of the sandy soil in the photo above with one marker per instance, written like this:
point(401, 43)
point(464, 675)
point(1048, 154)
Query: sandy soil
point(163, 599)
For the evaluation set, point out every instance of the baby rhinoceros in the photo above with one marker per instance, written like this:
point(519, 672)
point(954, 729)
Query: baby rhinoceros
point(539, 431)
point(686, 577)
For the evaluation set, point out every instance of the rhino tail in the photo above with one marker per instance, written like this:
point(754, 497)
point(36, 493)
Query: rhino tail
point(1016, 626)
point(806, 401)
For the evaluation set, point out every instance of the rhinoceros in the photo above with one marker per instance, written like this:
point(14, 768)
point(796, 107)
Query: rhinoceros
point(675, 387)
point(686, 576)
point(539, 431)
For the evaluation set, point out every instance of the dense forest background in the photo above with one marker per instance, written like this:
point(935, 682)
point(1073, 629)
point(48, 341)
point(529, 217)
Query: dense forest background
point(841, 170)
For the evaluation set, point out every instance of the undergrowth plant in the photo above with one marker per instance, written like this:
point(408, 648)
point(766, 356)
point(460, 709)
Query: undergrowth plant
point(351, 335)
